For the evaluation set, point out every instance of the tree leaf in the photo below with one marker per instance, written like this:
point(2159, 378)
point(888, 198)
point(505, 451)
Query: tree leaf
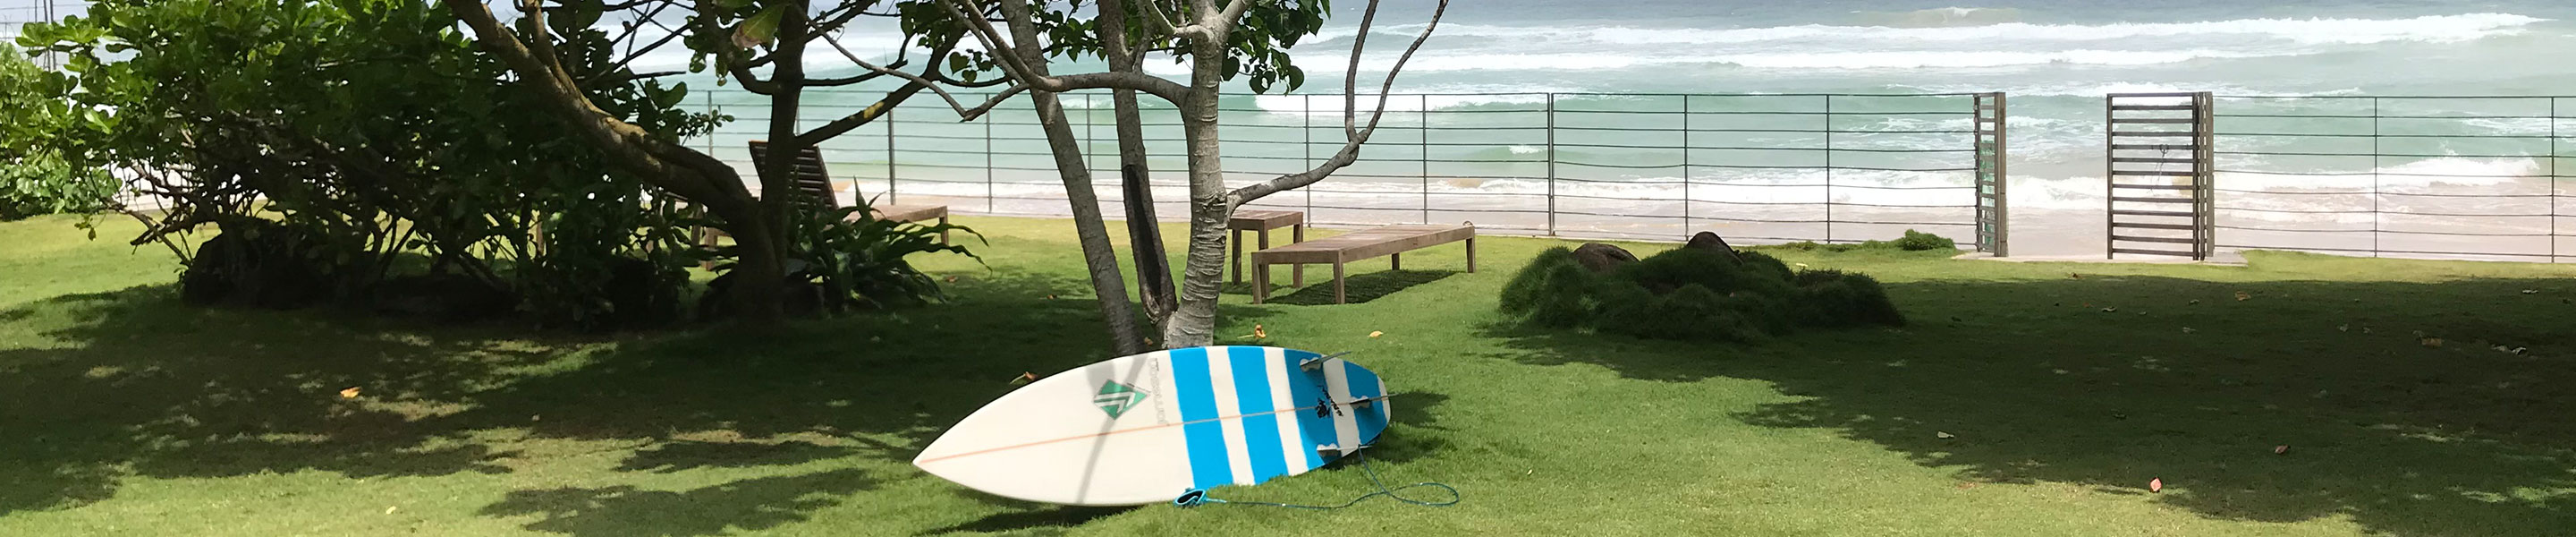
point(761, 27)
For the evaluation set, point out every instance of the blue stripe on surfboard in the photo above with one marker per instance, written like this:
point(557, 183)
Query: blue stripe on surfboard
point(1205, 436)
point(1305, 388)
point(1364, 384)
point(1260, 428)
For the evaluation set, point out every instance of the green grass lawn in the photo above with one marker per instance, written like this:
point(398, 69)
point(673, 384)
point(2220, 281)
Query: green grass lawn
point(2024, 399)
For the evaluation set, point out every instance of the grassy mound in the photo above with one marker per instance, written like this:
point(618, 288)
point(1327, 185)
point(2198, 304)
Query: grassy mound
point(1691, 294)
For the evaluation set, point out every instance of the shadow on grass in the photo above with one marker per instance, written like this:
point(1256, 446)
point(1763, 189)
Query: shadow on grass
point(1358, 288)
point(135, 384)
point(2108, 382)
point(620, 511)
point(1027, 518)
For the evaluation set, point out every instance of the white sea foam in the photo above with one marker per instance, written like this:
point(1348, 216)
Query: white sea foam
point(2437, 28)
point(1898, 59)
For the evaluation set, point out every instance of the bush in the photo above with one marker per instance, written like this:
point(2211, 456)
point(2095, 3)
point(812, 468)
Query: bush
point(1693, 295)
point(1554, 291)
point(1832, 298)
point(1913, 241)
point(1916, 241)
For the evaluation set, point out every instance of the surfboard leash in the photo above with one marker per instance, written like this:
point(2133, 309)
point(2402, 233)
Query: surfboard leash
point(1199, 497)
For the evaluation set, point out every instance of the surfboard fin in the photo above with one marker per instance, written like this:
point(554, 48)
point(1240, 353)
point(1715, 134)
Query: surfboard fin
point(1363, 402)
point(1335, 450)
point(1315, 363)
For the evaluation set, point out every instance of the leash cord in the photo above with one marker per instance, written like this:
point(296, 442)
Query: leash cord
point(1196, 497)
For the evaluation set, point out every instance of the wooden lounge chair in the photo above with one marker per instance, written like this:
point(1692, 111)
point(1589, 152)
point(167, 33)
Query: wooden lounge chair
point(816, 185)
point(1390, 241)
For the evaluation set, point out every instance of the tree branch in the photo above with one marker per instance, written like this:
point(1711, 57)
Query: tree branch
point(1350, 150)
point(631, 146)
point(922, 82)
point(984, 32)
point(1162, 24)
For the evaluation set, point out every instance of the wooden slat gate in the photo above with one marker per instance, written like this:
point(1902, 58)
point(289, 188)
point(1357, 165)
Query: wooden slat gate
point(1994, 222)
point(2158, 172)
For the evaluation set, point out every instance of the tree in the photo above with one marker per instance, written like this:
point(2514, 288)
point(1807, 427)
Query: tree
point(738, 39)
point(1220, 43)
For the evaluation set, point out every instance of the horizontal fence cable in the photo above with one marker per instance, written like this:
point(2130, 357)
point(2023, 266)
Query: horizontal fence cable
point(1632, 159)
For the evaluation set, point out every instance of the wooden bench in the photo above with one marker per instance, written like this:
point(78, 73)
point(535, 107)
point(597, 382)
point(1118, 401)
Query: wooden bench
point(1261, 222)
point(1390, 241)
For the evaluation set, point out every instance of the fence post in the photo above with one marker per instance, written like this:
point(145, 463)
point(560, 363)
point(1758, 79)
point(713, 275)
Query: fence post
point(1423, 135)
point(1829, 169)
point(1686, 165)
point(987, 120)
point(2374, 176)
point(1304, 150)
point(888, 118)
point(1990, 142)
point(2553, 179)
point(1551, 164)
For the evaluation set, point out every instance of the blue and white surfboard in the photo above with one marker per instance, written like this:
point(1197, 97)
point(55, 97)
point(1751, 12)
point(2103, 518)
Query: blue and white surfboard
point(1146, 428)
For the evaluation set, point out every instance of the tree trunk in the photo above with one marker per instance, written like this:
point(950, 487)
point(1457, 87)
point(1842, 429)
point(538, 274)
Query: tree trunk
point(1144, 229)
point(1108, 286)
point(1193, 324)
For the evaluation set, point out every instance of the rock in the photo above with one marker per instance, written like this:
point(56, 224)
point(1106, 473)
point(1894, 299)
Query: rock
point(251, 265)
point(1601, 258)
point(800, 298)
point(1711, 242)
point(640, 294)
point(451, 298)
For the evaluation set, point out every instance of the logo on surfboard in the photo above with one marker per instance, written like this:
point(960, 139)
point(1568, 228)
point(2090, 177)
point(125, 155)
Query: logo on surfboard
point(1116, 398)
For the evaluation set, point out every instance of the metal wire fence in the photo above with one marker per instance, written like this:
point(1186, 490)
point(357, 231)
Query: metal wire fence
point(2425, 177)
point(1754, 168)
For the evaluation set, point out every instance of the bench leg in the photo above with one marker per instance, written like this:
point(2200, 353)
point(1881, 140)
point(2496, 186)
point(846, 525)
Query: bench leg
point(943, 233)
point(1234, 240)
point(1395, 262)
point(1261, 283)
point(1297, 273)
point(1338, 297)
point(1265, 245)
point(1471, 255)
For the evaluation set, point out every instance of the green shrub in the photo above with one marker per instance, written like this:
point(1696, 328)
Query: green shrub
point(1913, 241)
point(1916, 241)
point(1674, 269)
point(1523, 291)
point(1692, 295)
point(1558, 294)
point(1832, 298)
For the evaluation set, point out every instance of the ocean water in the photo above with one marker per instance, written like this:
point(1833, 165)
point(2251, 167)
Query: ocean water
point(1573, 117)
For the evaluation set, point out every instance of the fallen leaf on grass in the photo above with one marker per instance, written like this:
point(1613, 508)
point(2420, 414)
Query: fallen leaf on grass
point(1374, 334)
point(2280, 449)
point(2156, 485)
point(2433, 342)
point(2109, 310)
point(1939, 434)
point(2242, 296)
point(1024, 378)
point(351, 393)
point(1259, 333)
point(2531, 291)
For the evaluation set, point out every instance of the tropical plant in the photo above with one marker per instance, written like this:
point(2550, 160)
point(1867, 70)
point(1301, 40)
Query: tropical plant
point(34, 177)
